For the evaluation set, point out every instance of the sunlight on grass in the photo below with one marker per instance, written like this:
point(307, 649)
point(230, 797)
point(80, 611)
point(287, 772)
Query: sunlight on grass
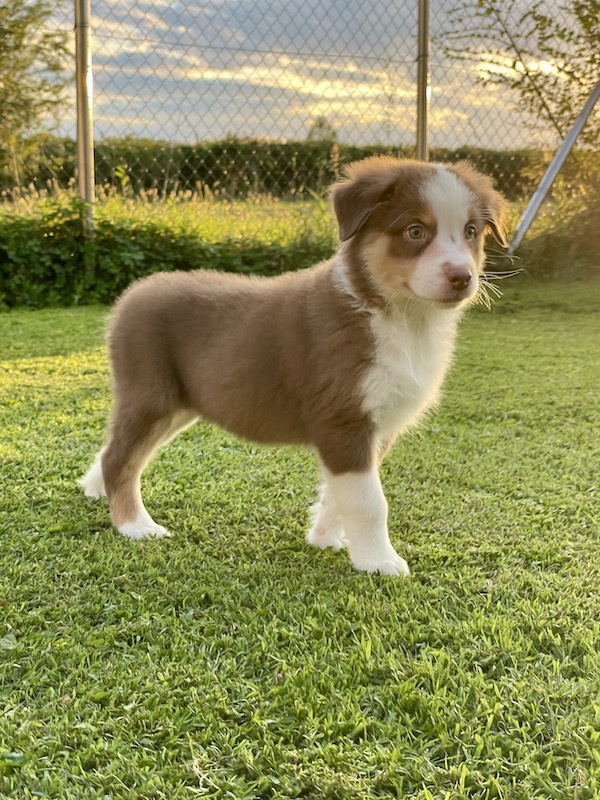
point(263, 218)
point(260, 218)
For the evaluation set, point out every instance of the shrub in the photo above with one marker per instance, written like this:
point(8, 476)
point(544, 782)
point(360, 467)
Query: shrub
point(41, 256)
point(45, 260)
point(565, 241)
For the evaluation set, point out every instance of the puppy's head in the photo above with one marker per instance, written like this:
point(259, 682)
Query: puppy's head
point(416, 230)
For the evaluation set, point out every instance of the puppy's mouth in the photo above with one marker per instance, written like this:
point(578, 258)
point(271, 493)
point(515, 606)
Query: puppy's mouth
point(455, 300)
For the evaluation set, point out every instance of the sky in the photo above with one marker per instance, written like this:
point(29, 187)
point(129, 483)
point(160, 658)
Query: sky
point(193, 71)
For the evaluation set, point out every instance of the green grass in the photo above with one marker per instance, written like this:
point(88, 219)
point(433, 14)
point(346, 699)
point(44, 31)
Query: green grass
point(258, 218)
point(265, 219)
point(233, 661)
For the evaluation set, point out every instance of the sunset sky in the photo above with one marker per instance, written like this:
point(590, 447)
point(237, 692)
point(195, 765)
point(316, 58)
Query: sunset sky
point(203, 70)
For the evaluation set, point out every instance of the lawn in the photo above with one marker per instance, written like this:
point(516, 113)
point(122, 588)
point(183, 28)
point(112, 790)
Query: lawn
point(233, 661)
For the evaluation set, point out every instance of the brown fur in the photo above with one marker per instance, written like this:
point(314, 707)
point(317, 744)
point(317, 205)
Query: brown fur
point(198, 341)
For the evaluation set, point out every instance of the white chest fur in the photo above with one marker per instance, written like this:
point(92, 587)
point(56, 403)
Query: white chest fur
point(413, 350)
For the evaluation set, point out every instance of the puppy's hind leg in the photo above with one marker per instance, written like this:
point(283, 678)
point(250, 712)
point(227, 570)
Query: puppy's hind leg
point(327, 529)
point(134, 438)
point(93, 480)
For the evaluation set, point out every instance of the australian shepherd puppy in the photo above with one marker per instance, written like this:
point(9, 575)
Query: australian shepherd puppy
point(341, 357)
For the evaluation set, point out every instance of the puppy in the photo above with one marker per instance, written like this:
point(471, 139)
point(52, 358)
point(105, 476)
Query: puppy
point(341, 357)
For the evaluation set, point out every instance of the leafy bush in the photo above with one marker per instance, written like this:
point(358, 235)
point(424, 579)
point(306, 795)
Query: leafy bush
point(46, 261)
point(565, 241)
point(41, 256)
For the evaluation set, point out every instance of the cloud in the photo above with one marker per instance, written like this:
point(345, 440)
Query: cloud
point(188, 71)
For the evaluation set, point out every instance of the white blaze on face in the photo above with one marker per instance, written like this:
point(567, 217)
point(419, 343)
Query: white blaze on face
point(450, 202)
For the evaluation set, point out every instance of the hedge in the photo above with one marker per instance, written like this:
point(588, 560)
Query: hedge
point(241, 167)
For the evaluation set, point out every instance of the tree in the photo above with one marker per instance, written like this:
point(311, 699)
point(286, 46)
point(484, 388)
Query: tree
point(550, 57)
point(32, 79)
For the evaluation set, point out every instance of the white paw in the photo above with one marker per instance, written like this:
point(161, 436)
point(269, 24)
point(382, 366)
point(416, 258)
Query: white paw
point(93, 481)
point(327, 529)
point(388, 563)
point(143, 527)
point(327, 536)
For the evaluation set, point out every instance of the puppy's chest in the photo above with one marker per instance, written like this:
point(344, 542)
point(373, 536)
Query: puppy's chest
point(410, 361)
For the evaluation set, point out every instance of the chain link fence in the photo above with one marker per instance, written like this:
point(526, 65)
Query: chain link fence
point(240, 97)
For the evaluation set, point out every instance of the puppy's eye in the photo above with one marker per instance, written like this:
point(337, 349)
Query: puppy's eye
point(415, 232)
point(470, 231)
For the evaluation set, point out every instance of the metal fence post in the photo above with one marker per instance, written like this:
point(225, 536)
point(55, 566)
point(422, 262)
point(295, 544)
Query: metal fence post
point(85, 94)
point(423, 90)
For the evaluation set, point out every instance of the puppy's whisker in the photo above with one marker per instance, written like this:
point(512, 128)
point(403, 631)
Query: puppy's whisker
point(492, 288)
point(501, 258)
point(482, 297)
point(500, 276)
point(487, 287)
point(392, 300)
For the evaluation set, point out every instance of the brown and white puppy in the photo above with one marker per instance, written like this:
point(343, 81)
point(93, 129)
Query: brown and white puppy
point(341, 357)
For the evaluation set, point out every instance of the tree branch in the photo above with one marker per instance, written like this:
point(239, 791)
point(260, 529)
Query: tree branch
point(519, 54)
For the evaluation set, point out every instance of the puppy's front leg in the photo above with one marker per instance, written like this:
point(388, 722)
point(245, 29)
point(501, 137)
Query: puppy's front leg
point(361, 504)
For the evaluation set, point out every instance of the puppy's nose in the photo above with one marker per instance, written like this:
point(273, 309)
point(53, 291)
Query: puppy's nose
point(459, 278)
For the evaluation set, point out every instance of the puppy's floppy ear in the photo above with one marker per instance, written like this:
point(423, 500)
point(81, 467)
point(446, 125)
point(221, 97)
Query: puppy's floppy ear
point(369, 183)
point(492, 203)
point(495, 214)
